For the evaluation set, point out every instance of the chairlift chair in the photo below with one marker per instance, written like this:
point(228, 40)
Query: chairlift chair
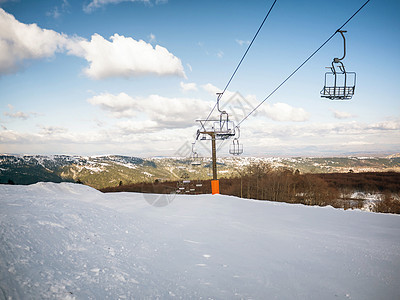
point(339, 84)
point(224, 128)
point(236, 148)
point(195, 158)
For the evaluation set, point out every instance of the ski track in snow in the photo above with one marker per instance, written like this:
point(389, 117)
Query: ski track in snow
point(69, 241)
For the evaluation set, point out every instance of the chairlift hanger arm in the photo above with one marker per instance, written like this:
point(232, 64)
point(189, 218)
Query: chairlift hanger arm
point(238, 132)
point(219, 95)
point(336, 60)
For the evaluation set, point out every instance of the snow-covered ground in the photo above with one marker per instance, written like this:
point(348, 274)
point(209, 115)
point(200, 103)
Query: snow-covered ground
point(70, 241)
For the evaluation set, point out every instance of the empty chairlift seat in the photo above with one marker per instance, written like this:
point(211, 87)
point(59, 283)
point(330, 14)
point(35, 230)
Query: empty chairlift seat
point(339, 84)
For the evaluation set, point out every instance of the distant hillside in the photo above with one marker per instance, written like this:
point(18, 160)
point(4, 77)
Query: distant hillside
point(111, 170)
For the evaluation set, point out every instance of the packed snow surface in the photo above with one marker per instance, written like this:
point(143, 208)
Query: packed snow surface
point(69, 241)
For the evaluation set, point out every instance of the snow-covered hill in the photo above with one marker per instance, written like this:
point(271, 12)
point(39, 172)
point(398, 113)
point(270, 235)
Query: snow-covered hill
point(70, 241)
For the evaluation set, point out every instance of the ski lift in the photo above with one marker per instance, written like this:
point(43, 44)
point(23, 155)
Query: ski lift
point(339, 84)
point(236, 148)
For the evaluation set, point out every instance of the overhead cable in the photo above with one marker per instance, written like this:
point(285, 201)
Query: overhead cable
point(244, 55)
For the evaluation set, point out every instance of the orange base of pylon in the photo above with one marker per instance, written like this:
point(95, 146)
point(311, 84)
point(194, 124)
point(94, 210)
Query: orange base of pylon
point(215, 187)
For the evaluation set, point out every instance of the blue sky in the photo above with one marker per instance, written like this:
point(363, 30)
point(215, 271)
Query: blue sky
point(131, 77)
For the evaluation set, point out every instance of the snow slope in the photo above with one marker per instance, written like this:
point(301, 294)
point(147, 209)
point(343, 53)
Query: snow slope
point(69, 241)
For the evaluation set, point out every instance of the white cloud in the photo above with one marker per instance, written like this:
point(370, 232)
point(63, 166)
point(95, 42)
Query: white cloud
point(220, 54)
point(259, 137)
point(57, 11)
point(241, 42)
point(152, 38)
point(19, 42)
point(385, 125)
point(120, 57)
point(134, 127)
point(313, 138)
point(276, 111)
point(53, 130)
point(126, 57)
point(341, 115)
point(121, 105)
point(284, 112)
point(162, 112)
point(95, 4)
point(190, 86)
point(174, 112)
point(210, 88)
point(18, 114)
point(213, 90)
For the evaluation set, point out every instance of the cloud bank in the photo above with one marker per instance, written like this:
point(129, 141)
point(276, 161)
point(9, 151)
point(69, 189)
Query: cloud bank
point(284, 112)
point(159, 112)
point(341, 115)
point(280, 112)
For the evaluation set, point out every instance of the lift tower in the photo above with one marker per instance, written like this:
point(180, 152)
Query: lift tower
point(220, 129)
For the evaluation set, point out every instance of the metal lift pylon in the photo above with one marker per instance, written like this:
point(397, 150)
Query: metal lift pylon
point(222, 129)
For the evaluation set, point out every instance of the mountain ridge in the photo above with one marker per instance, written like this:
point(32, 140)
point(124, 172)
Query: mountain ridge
point(111, 170)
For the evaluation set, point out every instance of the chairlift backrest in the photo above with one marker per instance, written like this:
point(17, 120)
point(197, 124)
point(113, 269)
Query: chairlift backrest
point(339, 85)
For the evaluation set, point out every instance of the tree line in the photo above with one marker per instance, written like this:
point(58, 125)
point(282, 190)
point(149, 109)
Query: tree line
point(261, 181)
